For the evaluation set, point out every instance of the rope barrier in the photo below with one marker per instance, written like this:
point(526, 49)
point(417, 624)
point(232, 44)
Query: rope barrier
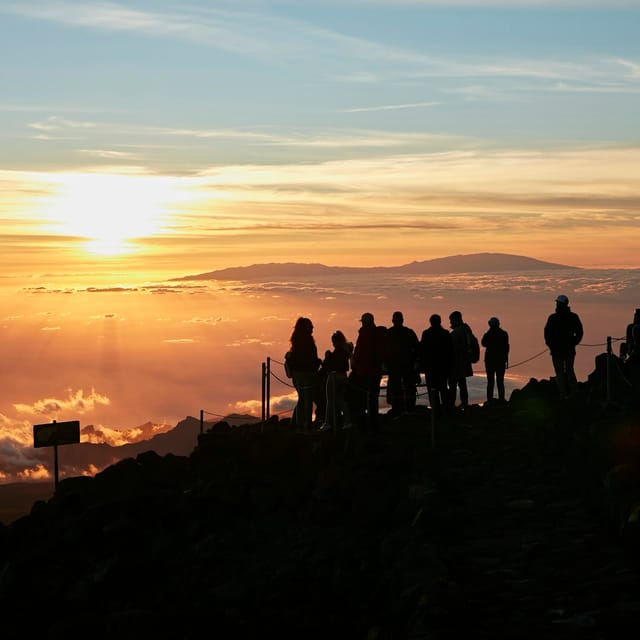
point(269, 374)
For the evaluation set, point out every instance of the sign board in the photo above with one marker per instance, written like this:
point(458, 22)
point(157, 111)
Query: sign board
point(56, 433)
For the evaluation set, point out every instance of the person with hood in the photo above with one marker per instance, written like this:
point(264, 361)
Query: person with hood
point(496, 357)
point(562, 332)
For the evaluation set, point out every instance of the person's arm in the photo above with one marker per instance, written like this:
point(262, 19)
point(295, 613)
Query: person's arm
point(579, 331)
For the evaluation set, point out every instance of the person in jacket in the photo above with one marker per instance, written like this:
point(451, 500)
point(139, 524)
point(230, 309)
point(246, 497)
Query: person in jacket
point(562, 332)
point(496, 358)
point(366, 375)
point(402, 350)
point(336, 364)
point(436, 358)
point(461, 366)
point(304, 364)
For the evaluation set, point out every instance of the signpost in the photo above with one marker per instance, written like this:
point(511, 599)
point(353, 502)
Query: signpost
point(54, 434)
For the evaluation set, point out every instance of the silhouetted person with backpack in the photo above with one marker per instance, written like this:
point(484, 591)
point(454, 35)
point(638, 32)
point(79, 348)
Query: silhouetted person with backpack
point(436, 359)
point(562, 332)
point(402, 350)
point(496, 357)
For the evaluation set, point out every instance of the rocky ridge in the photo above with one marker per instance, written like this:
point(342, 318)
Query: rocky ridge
point(514, 521)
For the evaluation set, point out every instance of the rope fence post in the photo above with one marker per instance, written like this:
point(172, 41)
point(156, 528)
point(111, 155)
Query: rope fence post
point(609, 351)
point(268, 401)
point(264, 368)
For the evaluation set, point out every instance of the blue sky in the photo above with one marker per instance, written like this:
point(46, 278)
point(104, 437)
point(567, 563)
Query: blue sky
point(198, 90)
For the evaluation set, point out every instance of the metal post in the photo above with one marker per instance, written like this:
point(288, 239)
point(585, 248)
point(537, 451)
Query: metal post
point(268, 404)
point(608, 369)
point(55, 464)
point(264, 367)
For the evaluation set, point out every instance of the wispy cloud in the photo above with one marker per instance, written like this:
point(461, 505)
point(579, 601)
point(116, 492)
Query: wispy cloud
point(391, 107)
point(268, 35)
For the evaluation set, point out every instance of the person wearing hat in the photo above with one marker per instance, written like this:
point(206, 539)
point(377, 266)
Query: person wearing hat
point(562, 332)
point(496, 357)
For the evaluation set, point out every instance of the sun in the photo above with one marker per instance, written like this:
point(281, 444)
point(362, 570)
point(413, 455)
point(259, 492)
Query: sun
point(110, 211)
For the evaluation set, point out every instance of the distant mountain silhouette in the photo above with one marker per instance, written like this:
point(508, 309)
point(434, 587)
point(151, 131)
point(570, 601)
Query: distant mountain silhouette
point(469, 263)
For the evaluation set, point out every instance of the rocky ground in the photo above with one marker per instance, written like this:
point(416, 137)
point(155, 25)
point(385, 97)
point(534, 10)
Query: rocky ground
point(507, 521)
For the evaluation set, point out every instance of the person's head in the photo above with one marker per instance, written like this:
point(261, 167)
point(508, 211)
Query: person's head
point(562, 302)
point(435, 320)
point(367, 319)
point(636, 316)
point(494, 322)
point(397, 318)
point(455, 318)
point(338, 339)
point(303, 325)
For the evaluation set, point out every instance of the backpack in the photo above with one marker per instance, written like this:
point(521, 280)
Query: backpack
point(474, 347)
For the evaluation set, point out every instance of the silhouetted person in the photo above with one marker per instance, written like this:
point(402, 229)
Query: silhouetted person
point(436, 358)
point(336, 364)
point(402, 350)
point(496, 358)
point(304, 364)
point(562, 332)
point(633, 338)
point(461, 367)
point(366, 374)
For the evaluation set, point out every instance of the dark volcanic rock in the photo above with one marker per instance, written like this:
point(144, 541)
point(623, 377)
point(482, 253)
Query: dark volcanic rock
point(514, 521)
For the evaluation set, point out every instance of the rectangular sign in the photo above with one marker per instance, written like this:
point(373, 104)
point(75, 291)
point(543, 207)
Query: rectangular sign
point(55, 433)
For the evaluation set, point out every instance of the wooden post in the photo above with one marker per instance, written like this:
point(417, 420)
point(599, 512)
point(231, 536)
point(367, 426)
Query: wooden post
point(201, 420)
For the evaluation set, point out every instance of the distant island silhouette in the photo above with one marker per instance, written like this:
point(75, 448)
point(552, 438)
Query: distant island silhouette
point(469, 263)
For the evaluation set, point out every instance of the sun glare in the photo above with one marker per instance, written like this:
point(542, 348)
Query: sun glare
point(110, 211)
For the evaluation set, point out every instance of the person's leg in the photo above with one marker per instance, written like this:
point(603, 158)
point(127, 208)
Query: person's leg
point(341, 408)
point(331, 406)
point(373, 394)
point(500, 383)
point(357, 397)
point(453, 391)
point(572, 381)
point(491, 375)
point(559, 367)
point(410, 390)
point(308, 395)
point(394, 391)
point(464, 392)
